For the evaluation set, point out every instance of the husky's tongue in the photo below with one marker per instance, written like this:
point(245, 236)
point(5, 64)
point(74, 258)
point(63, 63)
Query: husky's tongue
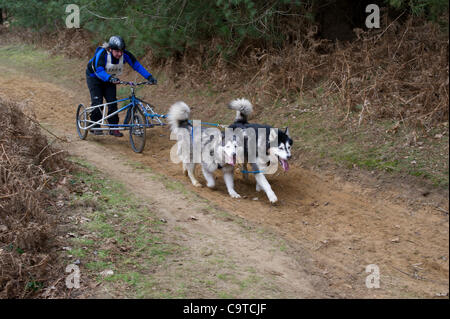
point(232, 161)
point(285, 164)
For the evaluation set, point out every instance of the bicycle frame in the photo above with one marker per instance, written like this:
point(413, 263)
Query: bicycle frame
point(151, 117)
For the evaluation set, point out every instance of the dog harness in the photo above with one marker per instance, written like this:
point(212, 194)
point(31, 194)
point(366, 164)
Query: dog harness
point(251, 172)
point(222, 126)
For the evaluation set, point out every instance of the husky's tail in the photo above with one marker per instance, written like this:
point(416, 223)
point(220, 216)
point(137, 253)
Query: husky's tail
point(178, 115)
point(243, 109)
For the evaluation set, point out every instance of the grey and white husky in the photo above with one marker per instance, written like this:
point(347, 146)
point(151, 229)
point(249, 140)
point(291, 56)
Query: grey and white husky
point(270, 143)
point(216, 151)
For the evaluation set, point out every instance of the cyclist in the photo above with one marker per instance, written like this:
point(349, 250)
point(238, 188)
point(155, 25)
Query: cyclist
point(101, 77)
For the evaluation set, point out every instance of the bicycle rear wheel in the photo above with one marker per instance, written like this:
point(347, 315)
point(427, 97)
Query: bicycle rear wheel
point(82, 117)
point(137, 130)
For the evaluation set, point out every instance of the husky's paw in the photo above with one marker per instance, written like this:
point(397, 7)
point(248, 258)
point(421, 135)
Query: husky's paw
point(235, 195)
point(197, 184)
point(272, 198)
point(211, 185)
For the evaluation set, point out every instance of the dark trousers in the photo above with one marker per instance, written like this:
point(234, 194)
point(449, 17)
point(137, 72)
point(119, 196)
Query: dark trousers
point(99, 90)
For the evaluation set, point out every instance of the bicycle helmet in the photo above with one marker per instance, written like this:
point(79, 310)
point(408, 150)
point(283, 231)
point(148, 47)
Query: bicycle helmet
point(116, 43)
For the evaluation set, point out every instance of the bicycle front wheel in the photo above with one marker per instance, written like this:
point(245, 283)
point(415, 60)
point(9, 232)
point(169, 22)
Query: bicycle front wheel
point(137, 130)
point(82, 121)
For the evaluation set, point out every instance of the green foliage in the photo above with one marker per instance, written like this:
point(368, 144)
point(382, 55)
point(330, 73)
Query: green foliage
point(172, 27)
point(35, 14)
point(167, 26)
point(34, 285)
point(431, 9)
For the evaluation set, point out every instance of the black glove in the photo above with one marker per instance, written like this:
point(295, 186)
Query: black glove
point(113, 80)
point(152, 80)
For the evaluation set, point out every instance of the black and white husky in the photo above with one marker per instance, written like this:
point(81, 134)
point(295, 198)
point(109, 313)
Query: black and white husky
point(216, 151)
point(272, 145)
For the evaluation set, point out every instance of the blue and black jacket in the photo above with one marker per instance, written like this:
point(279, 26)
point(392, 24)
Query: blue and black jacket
point(96, 66)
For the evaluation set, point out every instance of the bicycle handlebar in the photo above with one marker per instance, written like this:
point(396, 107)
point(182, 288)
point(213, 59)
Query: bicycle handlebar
point(136, 84)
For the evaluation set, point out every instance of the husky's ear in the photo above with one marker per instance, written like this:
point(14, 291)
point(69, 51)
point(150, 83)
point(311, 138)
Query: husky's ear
point(273, 135)
point(287, 131)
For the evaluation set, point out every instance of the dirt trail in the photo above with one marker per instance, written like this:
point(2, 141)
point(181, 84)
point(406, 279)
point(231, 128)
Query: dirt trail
point(335, 228)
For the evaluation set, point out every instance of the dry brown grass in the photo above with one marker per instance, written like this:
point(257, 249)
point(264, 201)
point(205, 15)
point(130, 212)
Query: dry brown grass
point(30, 170)
point(73, 43)
point(398, 72)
